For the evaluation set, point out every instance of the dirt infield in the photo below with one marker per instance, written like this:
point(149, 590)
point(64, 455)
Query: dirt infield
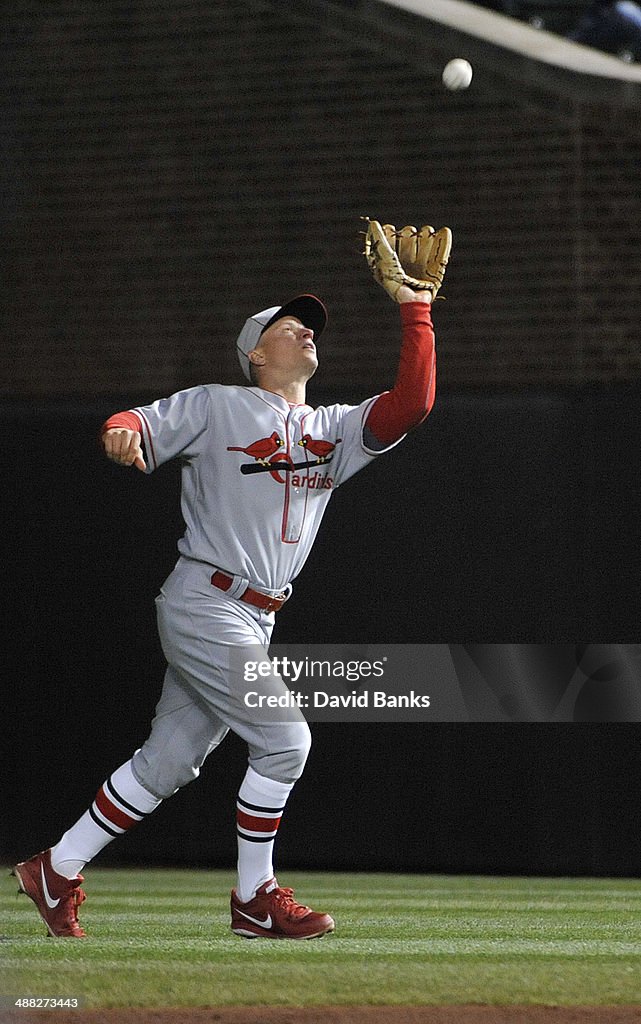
point(464, 1014)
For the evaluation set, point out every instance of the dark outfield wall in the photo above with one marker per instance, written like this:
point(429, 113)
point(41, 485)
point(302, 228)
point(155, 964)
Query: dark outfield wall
point(509, 519)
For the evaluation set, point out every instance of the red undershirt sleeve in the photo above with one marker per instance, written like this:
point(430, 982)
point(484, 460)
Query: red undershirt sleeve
point(412, 397)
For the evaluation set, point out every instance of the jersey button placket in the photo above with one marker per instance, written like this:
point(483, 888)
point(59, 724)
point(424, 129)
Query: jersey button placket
point(293, 515)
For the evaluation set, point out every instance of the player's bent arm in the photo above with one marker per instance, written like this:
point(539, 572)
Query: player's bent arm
point(411, 399)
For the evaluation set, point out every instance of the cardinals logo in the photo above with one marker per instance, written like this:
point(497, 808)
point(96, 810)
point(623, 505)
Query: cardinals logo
point(321, 449)
point(262, 449)
point(268, 458)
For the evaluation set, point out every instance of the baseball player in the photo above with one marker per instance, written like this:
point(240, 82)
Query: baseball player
point(259, 466)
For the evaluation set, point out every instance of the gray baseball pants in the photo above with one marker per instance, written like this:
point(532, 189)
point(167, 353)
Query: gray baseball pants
point(205, 636)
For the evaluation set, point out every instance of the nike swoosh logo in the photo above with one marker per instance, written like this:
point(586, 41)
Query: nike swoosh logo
point(267, 923)
point(51, 903)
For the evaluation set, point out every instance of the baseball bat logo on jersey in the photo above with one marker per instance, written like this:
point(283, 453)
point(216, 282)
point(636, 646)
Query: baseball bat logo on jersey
point(268, 459)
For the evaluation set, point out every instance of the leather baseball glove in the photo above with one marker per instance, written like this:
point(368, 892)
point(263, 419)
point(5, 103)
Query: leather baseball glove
point(416, 258)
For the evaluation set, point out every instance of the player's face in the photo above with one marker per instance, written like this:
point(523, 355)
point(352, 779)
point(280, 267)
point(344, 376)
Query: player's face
point(287, 347)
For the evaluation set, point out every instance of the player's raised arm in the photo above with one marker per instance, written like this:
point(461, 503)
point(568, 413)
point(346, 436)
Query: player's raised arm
point(410, 265)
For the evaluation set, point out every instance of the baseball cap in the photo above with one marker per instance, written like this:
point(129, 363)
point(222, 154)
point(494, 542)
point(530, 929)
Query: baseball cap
point(306, 308)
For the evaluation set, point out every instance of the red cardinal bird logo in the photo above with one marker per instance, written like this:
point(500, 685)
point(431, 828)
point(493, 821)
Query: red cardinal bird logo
point(321, 449)
point(261, 450)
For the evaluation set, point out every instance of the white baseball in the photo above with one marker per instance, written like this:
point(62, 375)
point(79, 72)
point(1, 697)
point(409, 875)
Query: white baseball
point(457, 74)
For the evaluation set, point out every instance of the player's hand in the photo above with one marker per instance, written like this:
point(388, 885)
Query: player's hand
point(123, 446)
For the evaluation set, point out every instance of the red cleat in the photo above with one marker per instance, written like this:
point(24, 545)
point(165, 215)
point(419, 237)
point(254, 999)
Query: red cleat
point(274, 914)
point(56, 897)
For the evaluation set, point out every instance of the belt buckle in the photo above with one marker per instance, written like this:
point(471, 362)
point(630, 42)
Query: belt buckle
point(274, 603)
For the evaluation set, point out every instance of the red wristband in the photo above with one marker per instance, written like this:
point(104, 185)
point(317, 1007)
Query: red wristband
point(122, 421)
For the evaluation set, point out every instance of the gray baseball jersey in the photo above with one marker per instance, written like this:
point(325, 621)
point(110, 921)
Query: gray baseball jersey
point(257, 473)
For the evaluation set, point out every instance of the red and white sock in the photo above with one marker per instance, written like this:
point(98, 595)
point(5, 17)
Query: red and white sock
point(261, 802)
point(121, 802)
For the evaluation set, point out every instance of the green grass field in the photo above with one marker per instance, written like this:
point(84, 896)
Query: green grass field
point(161, 938)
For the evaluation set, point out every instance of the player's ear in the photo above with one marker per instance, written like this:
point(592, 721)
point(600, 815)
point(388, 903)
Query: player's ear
point(256, 357)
